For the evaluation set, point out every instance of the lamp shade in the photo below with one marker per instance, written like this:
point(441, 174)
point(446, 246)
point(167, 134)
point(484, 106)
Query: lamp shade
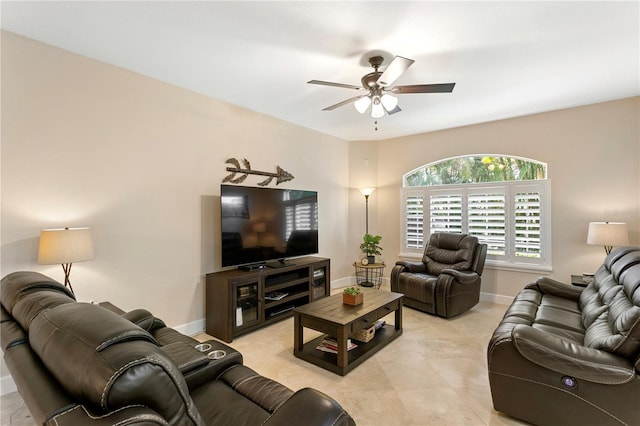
point(362, 104)
point(389, 102)
point(65, 245)
point(377, 110)
point(608, 234)
point(367, 191)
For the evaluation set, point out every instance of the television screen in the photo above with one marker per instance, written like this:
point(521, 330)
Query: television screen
point(266, 224)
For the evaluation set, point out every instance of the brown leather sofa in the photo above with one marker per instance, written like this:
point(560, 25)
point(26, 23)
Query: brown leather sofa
point(566, 355)
point(81, 364)
point(447, 281)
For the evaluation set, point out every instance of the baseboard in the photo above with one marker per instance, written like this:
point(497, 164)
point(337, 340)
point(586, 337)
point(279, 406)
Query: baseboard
point(496, 298)
point(342, 282)
point(7, 385)
point(191, 328)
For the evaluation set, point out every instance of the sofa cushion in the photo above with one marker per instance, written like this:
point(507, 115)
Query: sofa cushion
point(420, 287)
point(616, 328)
point(107, 363)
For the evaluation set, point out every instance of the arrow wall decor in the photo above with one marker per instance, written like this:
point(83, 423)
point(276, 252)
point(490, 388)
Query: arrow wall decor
point(281, 175)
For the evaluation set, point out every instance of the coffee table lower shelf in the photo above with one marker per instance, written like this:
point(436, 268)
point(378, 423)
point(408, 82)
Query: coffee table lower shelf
point(356, 356)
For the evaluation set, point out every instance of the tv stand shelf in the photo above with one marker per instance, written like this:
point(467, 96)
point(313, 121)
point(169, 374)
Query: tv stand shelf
point(236, 300)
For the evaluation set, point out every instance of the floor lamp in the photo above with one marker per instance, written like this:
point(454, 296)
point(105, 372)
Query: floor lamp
point(608, 234)
point(65, 246)
point(366, 192)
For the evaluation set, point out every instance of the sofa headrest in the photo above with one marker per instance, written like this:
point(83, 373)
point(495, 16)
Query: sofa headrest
point(616, 254)
point(33, 303)
point(107, 362)
point(449, 251)
point(17, 284)
point(628, 258)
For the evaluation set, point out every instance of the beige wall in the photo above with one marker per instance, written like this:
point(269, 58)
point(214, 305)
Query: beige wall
point(140, 162)
point(592, 156)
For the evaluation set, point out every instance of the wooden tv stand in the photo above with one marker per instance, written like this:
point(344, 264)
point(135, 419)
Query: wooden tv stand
point(238, 302)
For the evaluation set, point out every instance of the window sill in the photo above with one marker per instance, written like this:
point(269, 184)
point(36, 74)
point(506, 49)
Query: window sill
point(494, 264)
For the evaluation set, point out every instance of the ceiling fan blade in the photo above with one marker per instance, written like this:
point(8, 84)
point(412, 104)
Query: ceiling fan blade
point(339, 104)
point(330, 83)
point(395, 110)
point(396, 68)
point(424, 88)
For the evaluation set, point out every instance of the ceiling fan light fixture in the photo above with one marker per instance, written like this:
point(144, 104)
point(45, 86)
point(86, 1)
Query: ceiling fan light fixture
point(362, 104)
point(389, 102)
point(377, 109)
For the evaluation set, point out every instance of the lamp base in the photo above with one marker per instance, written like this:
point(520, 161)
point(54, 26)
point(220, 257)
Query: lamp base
point(66, 267)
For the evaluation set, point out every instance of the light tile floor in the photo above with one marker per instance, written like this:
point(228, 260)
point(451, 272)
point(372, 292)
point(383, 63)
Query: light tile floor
point(434, 374)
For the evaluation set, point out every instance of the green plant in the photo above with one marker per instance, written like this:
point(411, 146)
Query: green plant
point(352, 291)
point(370, 245)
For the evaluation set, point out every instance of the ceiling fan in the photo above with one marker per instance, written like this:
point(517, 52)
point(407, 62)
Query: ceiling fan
point(378, 85)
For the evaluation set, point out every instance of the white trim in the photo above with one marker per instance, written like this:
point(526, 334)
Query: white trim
point(493, 264)
point(343, 282)
point(496, 298)
point(191, 328)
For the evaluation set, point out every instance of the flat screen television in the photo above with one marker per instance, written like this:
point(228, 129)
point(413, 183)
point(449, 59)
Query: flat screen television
point(260, 226)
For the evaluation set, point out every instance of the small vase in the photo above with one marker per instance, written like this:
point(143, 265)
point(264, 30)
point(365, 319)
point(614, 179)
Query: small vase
point(371, 259)
point(350, 299)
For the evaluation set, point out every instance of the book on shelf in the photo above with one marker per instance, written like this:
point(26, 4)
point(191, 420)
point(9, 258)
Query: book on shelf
point(331, 345)
point(276, 295)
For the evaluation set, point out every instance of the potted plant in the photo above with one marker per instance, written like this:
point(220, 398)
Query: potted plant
point(370, 247)
point(352, 296)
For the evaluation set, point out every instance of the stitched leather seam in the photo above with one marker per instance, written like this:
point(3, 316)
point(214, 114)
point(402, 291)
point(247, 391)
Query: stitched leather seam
point(159, 419)
point(561, 390)
point(499, 342)
point(578, 361)
point(168, 369)
point(242, 380)
point(127, 337)
point(622, 342)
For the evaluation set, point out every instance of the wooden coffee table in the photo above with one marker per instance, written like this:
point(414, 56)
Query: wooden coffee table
point(331, 316)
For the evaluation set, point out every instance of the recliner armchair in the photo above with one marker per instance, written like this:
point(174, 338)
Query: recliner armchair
point(447, 281)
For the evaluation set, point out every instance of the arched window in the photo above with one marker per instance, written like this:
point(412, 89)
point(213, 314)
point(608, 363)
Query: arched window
point(502, 200)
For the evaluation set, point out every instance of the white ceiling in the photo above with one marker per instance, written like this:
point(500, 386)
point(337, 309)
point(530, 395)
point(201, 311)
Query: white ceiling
point(506, 58)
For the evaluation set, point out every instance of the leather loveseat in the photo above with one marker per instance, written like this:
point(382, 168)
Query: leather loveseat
point(81, 364)
point(565, 355)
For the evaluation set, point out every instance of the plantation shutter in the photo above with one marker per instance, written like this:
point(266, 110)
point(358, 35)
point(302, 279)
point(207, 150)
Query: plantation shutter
point(414, 225)
point(445, 212)
point(527, 224)
point(486, 219)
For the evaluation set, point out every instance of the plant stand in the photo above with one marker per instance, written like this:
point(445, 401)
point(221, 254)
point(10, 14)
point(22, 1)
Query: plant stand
point(369, 275)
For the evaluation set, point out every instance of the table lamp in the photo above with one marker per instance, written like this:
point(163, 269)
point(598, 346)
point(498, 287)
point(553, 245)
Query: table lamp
point(608, 234)
point(65, 246)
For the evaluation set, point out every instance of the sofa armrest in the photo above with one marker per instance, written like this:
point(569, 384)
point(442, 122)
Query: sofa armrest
point(412, 266)
point(144, 319)
point(462, 277)
point(547, 285)
point(565, 357)
point(309, 407)
point(78, 415)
